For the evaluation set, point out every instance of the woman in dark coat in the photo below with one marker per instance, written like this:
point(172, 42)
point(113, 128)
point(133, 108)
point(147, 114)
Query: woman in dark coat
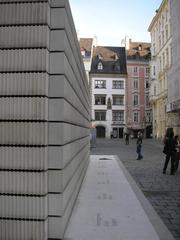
point(170, 147)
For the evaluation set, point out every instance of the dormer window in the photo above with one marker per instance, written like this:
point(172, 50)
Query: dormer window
point(100, 56)
point(140, 47)
point(115, 57)
point(83, 52)
point(100, 66)
point(116, 67)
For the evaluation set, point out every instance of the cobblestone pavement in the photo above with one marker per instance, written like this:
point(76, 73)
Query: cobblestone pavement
point(163, 191)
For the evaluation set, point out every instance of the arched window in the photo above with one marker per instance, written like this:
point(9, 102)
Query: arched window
point(100, 66)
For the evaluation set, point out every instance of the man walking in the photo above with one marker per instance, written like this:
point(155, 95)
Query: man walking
point(139, 146)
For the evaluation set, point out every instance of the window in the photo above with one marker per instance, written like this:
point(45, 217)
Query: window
point(166, 32)
point(166, 15)
point(154, 49)
point(100, 99)
point(159, 41)
point(163, 60)
point(159, 26)
point(100, 56)
point(118, 100)
point(147, 70)
point(118, 116)
point(160, 64)
point(135, 100)
point(154, 71)
point(116, 67)
point(162, 37)
point(83, 53)
point(135, 69)
point(147, 101)
point(154, 90)
point(162, 21)
point(136, 117)
point(147, 83)
point(148, 117)
point(100, 66)
point(140, 47)
point(118, 84)
point(170, 54)
point(135, 83)
point(167, 56)
point(100, 115)
point(100, 84)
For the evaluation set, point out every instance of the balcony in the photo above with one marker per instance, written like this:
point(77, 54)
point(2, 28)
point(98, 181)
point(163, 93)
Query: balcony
point(153, 98)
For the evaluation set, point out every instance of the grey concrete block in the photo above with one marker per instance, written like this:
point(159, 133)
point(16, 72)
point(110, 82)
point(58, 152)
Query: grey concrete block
point(61, 110)
point(62, 133)
point(32, 84)
point(23, 36)
point(22, 60)
point(59, 86)
point(24, 158)
point(23, 133)
point(57, 63)
point(19, 182)
point(60, 156)
point(58, 18)
point(58, 40)
point(58, 179)
point(57, 225)
point(58, 202)
point(12, 14)
point(18, 108)
point(58, 3)
point(20, 207)
point(21, 229)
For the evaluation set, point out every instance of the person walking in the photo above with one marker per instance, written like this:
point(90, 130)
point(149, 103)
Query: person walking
point(127, 138)
point(177, 155)
point(139, 146)
point(170, 152)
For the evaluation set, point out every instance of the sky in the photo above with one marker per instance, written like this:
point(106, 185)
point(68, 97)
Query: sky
point(111, 20)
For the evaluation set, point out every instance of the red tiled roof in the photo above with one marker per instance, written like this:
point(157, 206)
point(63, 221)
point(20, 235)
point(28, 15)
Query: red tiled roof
point(86, 44)
point(141, 49)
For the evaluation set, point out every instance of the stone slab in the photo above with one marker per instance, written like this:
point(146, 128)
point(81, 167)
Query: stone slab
point(107, 207)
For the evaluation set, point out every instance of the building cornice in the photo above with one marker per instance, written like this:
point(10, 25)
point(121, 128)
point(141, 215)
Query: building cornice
point(138, 62)
point(107, 75)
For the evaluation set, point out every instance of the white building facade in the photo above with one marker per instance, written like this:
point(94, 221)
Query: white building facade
point(161, 52)
point(173, 106)
point(108, 90)
point(108, 105)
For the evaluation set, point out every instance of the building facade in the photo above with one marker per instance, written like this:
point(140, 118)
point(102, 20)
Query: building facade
point(161, 60)
point(108, 87)
point(173, 105)
point(139, 111)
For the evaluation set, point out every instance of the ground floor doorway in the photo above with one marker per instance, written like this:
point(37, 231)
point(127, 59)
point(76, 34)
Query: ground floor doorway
point(149, 131)
point(117, 132)
point(100, 132)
